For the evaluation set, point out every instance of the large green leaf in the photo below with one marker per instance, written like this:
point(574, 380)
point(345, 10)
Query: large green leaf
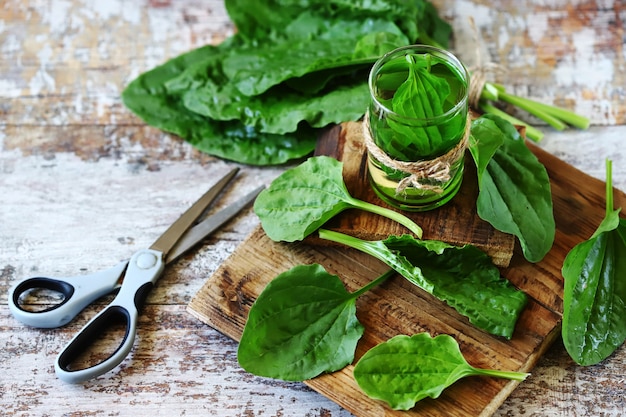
point(302, 324)
point(418, 19)
point(280, 110)
point(462, 276)
point(515, 195)
point(594, 299)
point(148, 97)
point(256, 69)
point(594, 303)
point(303, 198)
point(343, 36)
point(405, 370)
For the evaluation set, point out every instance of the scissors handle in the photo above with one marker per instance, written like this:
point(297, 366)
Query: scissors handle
point(77, 292)
point(144, 268)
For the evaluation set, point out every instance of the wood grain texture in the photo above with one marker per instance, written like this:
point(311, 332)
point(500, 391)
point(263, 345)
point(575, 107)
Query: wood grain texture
point(84, 183)
point(398, 307)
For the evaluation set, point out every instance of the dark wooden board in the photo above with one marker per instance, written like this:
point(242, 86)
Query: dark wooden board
point(397, 307)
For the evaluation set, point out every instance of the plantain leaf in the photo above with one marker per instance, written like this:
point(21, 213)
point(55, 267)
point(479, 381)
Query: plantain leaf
point(514, 188)
point(309, 47)
point(303, 198)
point(421, 97)
point(281, 110)
point(405, 370)
point(323, 46)
point(464, 277)
point(148, 97)
point(594, 299)
point(302, 324)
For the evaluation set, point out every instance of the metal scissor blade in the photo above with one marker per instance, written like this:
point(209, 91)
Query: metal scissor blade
point(200, 231)
point(171, 236)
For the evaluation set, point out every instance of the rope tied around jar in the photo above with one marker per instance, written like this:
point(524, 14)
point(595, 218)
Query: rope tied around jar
point(421, 173)
point(479, 77)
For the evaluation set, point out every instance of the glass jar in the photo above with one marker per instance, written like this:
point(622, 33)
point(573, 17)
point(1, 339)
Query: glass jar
point(416, 127)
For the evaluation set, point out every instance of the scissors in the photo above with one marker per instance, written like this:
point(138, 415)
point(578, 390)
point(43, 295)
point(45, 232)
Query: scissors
point(133, 279)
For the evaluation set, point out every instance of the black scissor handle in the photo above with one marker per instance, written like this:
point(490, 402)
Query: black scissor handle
point(143, 270)
point(91, 333)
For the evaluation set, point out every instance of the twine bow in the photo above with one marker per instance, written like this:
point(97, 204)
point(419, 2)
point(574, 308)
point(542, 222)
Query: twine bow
point(426, 174)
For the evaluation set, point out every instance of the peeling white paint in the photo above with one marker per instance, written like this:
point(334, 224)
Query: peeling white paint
point(54, 14)
point(591, 71)
point(129, 12)
point(539, 27)
point(9, 89)
point(42, 81)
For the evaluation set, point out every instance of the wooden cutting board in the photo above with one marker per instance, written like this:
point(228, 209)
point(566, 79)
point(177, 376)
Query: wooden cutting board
point(398, 307)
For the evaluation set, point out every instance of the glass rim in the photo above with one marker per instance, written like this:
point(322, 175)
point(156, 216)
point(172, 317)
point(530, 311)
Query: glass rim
point(451, 58)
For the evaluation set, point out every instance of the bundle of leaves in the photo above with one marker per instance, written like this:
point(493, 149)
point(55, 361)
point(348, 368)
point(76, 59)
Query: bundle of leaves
point(292, 68)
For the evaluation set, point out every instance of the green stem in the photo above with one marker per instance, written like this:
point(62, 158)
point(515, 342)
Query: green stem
point(515, 376)
point(390, 214)
point(567, 116)
point(490, 92)
point(375, 248)
point(550, 114)
point(374, 283)
point(531, 132)
point(609, 187)
point(530, 106)
point(351, 241)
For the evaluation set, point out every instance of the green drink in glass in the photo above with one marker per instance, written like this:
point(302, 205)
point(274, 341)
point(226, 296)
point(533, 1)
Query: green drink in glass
point(416, 125)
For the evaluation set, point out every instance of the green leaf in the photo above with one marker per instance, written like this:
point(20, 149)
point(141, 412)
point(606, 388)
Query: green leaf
point(340, 37)
point(418, 19)
point(303, 198)
point(514, 188)
point(303, 324)
point(280, 110)
point(594, 299)
point(236, 142)
point(148, 97)
point(421, 96)
point(464, 277)
point(483, 147)
point(423, 89)
point(405, 370)
point(345, 42)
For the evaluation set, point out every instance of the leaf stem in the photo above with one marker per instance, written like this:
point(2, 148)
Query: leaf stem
point(531, 107)
point(390, 214)
point(609, 187)
point(374, 283)
point(515, 376)
point(571, 118)
point(556, 117)
point(532, 133)
point(351, 241)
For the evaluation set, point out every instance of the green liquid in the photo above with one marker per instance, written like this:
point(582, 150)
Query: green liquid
point(449, 125)
point(401, 135)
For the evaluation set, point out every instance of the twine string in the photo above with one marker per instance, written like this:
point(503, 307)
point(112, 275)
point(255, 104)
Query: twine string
point(480, 72)
point(423, 173)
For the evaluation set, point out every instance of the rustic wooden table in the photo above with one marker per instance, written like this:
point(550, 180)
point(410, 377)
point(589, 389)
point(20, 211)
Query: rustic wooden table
point(84, 183)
